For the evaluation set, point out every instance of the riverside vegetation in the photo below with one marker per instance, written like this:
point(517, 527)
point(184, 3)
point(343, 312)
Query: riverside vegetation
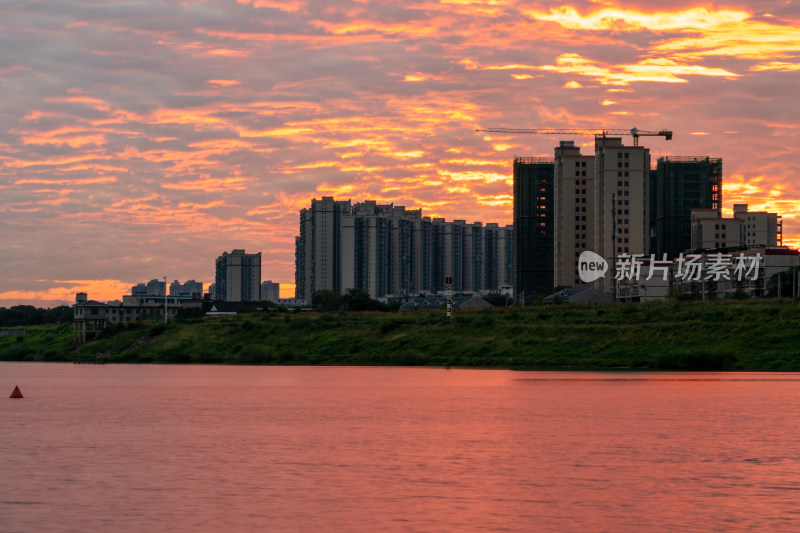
point(724, 335)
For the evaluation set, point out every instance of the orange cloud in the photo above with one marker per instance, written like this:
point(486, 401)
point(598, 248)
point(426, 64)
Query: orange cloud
point(224, 83)
point(101, 290)
point(621, 19)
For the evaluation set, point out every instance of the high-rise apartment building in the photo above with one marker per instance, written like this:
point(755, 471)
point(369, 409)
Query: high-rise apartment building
point(573, 212)
point(379, 255)
point(533, 227)
point(622, 198)
point(318, 247)
point(390, 250)
point(679, 185)
point(238, 276)
point(498, 256)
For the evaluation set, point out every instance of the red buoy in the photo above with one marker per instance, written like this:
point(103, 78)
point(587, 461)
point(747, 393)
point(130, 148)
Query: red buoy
point(17, 393)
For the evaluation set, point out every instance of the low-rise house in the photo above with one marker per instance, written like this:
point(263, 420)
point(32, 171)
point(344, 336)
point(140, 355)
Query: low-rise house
point(90, 317)
point(580, 296)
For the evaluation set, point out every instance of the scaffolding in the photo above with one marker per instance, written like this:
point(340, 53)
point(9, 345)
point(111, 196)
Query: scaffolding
point(680, 184)
point(533, 227)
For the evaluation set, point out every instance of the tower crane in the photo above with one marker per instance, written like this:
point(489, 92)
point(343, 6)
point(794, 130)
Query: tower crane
point(634, 132)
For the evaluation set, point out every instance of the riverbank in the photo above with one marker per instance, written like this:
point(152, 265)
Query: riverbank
point(732, 335)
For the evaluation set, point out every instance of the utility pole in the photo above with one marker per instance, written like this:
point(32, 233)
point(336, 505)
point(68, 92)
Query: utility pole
point(613, 270)
point(165, 300)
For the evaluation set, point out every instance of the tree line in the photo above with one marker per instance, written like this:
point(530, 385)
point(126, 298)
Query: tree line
point(28, 315)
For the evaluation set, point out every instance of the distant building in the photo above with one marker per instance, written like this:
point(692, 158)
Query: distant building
point(191, 287)
point(680, 185)
point(318, 258)
point(90, 317)
point(622, 201)
point(379, 255)
point(388, 250)
point(770, 260)
point(498, 253)
point(270, 291)
point(710, 231)
point(759, 227)
point(154, 287)
point(573, 212)
point(238, 276)
point(533, 227)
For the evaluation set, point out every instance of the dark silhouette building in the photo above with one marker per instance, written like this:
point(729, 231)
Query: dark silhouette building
point(533, 227)
point(678, 185)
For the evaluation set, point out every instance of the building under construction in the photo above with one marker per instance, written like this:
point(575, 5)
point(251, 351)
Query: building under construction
point(678, 185)
point(533, 227)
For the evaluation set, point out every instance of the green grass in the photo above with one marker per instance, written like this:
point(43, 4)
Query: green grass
point(732, 335)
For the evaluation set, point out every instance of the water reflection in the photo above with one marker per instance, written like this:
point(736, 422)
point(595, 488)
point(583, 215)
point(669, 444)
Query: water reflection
point(166, 448)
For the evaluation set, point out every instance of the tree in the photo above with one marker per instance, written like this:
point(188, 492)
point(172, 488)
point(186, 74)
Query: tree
point(358, 300)
point(327, 300)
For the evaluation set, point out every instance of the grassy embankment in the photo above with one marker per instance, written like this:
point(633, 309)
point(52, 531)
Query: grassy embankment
point(747, 335)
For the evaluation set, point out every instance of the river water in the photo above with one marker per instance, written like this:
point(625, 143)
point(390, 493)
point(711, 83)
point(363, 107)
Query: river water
point(219, 448)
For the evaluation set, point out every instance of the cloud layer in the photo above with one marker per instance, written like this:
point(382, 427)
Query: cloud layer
point(142, 139)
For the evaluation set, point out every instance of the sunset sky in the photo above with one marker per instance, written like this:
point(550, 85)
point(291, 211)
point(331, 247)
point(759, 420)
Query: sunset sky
point(141, 139)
